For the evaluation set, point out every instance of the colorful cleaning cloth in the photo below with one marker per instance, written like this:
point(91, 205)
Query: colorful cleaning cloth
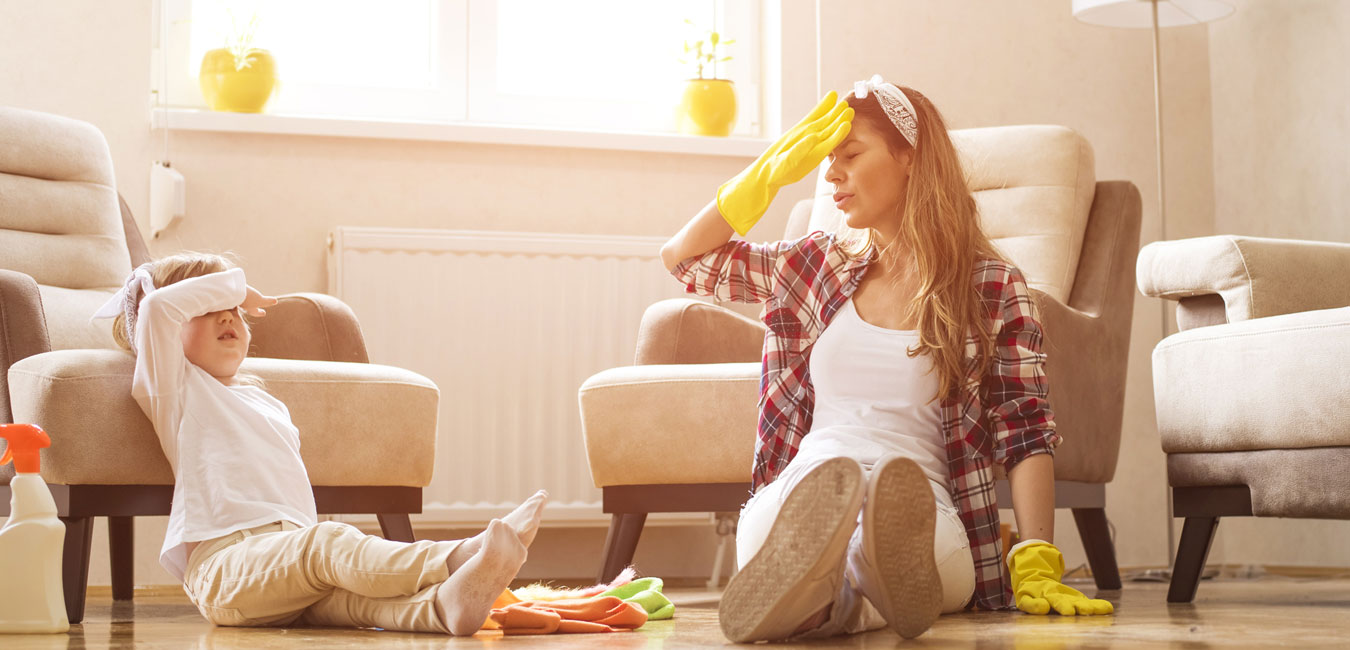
point(571, 616)
point(647, 593)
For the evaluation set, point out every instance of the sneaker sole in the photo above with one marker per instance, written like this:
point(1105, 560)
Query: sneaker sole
point(901, 515)
point(811, 532)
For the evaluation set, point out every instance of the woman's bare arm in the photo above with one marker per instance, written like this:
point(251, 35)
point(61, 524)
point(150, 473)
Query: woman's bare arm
point(1033, 497)
point(706, 231)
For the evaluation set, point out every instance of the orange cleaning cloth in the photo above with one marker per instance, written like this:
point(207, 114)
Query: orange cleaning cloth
point(570, 616)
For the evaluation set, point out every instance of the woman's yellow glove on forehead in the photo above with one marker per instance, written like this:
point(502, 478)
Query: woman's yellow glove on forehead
point(1036, 569)
point(745, 198)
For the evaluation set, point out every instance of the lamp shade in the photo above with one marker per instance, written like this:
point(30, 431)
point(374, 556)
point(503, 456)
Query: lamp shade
point(1139, 13)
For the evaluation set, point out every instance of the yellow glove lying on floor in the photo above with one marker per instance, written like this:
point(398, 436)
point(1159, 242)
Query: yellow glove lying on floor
point(1036, 568)
point(744, 199)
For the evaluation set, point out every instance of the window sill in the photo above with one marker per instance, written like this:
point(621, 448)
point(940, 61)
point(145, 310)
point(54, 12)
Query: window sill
point(183, 119)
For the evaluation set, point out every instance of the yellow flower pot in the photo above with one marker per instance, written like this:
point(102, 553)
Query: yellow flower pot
point(229, 87)
point(708, 107)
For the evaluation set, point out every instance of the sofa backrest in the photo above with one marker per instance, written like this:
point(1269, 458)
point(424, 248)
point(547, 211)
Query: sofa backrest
point(1034, 186)
point(60, 220)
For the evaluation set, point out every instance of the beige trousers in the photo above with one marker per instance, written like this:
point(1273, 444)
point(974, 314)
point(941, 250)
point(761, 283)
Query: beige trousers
point(328, 575)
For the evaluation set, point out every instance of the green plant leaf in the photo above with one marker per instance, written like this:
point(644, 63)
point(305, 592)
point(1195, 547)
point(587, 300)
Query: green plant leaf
point(725, 43)
point(725, 58)
point(714, 38)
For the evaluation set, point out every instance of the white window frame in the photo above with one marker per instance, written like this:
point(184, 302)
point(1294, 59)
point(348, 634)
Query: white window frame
point(487, 104)
point(445, 101)
point(465, 92)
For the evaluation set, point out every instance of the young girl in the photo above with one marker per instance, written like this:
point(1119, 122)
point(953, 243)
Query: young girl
point(243, 535)
point(903, 359)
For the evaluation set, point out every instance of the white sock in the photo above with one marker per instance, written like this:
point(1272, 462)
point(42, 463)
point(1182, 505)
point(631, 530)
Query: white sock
point(525, 518)
point(465, 598)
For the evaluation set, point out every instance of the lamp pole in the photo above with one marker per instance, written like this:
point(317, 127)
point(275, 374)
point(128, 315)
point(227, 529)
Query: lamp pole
point(1162, 233)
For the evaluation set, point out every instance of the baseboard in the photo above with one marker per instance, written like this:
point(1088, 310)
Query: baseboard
point(1243, 570)
point(1226, 571)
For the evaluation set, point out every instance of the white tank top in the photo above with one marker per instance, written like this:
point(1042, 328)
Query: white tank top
point(874, 400)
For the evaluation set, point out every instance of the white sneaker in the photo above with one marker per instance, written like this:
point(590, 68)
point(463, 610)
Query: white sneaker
point(799, 569)
point(899, 574)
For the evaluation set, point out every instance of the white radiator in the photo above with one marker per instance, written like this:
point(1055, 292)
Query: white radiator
point(508, 325)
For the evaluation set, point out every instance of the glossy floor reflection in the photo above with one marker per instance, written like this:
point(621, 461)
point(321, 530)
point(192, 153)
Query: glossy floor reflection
point(1264, 612)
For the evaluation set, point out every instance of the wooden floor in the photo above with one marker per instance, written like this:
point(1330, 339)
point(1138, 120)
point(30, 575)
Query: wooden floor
point(1257, 613)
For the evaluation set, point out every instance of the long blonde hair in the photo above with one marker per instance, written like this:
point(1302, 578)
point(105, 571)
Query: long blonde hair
point(176, 268)
point(940, 227)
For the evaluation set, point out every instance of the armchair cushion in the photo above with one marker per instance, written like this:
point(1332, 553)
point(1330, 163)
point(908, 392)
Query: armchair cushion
point(1269, 383)
point(360, 424)
point(640, 430)
point(68, 318)
point(1034, 186)
point(1256, 277)
point(58, 202)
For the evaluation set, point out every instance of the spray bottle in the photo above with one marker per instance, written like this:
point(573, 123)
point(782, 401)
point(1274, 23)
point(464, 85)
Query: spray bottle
point(30, 541)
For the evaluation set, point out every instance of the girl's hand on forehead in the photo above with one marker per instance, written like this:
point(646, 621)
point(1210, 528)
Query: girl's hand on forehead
point(254, 303)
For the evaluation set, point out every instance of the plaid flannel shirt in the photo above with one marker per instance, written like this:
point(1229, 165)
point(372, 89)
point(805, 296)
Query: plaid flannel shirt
point(1002, 417)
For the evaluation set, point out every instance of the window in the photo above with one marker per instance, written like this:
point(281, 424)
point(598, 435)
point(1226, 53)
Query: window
point(590, 64)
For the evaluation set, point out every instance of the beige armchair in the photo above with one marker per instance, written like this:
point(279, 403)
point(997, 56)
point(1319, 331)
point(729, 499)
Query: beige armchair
point(367, 431)
point(1251, 393)
point(676, 432)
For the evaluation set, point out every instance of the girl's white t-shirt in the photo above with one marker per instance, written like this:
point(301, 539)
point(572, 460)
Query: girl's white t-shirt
point(874, 400)
point(234, 451)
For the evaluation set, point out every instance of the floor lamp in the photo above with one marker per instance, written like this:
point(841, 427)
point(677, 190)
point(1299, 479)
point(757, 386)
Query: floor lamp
point(1154, 14)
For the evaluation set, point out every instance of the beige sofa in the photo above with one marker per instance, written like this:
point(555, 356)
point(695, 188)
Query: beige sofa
point(1253, 393)
point(676, 432)
point(368, 432)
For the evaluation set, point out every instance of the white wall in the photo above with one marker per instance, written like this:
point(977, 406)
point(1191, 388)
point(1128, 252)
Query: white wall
point(1282, 119)
point(272, 199)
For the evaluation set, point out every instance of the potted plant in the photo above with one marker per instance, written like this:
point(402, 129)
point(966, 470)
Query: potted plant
point(708, 106)
point(238, 77)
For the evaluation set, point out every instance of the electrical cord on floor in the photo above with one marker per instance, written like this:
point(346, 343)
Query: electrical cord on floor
point(1067, 574)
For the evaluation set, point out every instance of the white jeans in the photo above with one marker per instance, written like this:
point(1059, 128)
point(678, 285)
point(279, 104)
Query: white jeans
point(851, 611)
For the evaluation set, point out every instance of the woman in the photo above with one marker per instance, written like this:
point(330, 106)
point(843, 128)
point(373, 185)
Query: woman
point(903, 359)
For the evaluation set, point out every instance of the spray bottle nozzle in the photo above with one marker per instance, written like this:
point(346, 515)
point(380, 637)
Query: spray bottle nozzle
point(25, 441)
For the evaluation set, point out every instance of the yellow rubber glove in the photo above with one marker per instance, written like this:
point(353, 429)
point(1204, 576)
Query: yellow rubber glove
point(744, 199)
point(1036, 569)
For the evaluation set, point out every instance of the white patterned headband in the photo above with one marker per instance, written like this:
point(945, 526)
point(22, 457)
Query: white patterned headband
point(127, 300)
point(895, 103)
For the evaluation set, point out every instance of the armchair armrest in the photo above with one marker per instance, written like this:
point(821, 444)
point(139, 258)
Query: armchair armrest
point(23, 328)
point(1086, 361)
point(664, 424)
point(309, 326)
point(683, 330)
point(1255, 277)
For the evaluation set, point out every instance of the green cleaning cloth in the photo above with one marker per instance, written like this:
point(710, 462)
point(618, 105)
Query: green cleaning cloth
point(646, 592)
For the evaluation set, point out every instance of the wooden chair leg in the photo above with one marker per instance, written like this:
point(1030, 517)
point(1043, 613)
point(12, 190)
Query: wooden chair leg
point(621, 542)
point(1196, 537)
point(75, 564)
point(122, 556)
point(396, 527)
point(1101, 553)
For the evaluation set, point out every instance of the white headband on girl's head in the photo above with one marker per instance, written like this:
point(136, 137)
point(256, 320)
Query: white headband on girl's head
point(127, 300)
point(895, 103)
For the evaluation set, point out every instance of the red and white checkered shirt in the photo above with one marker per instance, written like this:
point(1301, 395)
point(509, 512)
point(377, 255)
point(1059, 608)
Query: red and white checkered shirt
point(1002, 417)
